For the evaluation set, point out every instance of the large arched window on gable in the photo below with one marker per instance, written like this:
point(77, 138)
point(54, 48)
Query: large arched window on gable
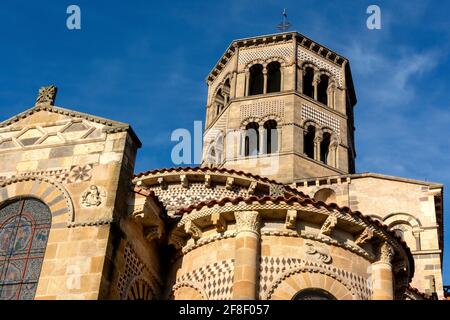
point(308, 78)
point(251, 139)
point(273, 77)
point(271, 136)
point(256, 81)
point(308, 141)
point(314, 294)
point(24, 228)
point(322, 89)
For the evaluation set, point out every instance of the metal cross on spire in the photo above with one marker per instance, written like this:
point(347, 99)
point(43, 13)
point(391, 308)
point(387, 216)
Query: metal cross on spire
point(285, 24)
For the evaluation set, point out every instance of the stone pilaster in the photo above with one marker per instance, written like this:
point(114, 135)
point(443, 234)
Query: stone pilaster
point(247, 253)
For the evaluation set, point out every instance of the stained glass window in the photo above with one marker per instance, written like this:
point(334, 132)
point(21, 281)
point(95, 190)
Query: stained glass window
point(24, 229)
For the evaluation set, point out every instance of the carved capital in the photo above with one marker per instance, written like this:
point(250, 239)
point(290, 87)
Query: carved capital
point(329, 225)
point(291, 219)
point(248, 221)
point(386, 253)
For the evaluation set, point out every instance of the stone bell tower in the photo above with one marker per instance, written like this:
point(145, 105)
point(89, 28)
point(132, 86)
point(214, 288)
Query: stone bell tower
point(280, 106)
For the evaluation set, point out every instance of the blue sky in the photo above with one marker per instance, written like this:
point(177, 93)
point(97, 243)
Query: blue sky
point(145, 63)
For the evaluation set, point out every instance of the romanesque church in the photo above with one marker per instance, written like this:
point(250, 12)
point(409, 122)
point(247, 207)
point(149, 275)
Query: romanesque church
point(275, 211)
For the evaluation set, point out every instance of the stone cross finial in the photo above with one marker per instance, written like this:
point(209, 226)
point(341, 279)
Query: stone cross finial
point(47, 95)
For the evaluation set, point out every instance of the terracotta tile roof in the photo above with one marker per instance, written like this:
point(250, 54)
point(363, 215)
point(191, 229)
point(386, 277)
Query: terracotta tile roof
point(205, 169)
point(304, 202)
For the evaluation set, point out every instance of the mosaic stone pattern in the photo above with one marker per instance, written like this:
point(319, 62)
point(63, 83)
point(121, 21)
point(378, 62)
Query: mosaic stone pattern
point(216, 279)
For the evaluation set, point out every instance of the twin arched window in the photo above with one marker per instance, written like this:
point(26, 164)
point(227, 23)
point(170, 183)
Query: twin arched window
point(316, 86)
point(24, 229)
point(264, 80)
point(323, 149)
point(252, 139)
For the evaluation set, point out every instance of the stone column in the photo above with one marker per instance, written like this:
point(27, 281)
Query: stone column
point(247, 83)
point(382, 276)
point(316, 81)
point(265, 79)
point(247, 251)
point(317, 141)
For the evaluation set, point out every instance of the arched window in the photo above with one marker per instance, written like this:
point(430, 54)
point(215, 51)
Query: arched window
point(325, 147)
point(326, 195)
point(140, 290)
point(308, 77)
point(322, 89)
point(256, 82)
point(219, 100)
point(400, 233)
point(308, 141)
point(24, 229)
point(226, 91)
point(273, 77)
point(271, 136)
point(313, 294)
point(251, 139)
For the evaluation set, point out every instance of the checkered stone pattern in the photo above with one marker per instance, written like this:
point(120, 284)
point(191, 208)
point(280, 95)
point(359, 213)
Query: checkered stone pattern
point(133, 268)
point(321, 118)
point(247, 55)
point(262, 109)
point(216, 279)
point(177, 197)
point(304, 56)
point(271, 268)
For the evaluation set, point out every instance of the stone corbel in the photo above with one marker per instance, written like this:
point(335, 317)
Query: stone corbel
point(229, 184)
point(162, 183)
point(365, 236)
point(153, 232)
point(193, 230)
point(219, 222)
point(177, 240)
point(207, 181)
point(328, 225)
point(184, 181)
point(252, 187)
point(291, 219)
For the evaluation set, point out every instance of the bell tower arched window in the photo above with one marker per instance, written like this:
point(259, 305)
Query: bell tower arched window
point(251, 139)
point(273, 77)
point(24, 228)
point(256, 82)
point(271, 136)
point(322, 89)
point(220, 102)
point(308, 141)
point(308, 78)
point(325, 147)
